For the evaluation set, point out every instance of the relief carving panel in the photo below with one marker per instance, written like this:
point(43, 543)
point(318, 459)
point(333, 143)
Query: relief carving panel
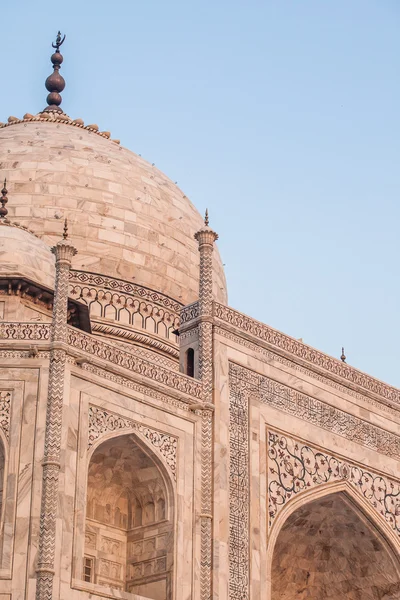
point(294, 467)
point(102, 421)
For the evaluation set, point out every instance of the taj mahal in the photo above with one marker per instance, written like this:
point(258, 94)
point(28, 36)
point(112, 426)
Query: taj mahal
point(155, 443)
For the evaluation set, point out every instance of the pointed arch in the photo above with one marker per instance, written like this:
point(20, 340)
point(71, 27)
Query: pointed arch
point(365, 513)
point(130, 542)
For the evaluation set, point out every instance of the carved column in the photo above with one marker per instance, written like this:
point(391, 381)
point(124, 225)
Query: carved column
point(206, 238)
point(64, 251)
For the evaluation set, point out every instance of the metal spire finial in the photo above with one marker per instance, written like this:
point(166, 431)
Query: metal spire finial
point(4, 200)
point(55, 83)
point(65, 234)
point(343, 357)
point(206, 218)
point(59, 42)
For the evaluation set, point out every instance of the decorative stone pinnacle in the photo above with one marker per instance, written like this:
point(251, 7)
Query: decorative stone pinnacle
point(55, 83)
point(64, 250)
point(4, 200)
point(343, 356)
point(206, 235)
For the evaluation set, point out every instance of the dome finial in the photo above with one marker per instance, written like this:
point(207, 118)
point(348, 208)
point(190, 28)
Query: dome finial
point(343, 357)
point(206, 221)
point(55, 83)
point(65, 234)
point(4, 200)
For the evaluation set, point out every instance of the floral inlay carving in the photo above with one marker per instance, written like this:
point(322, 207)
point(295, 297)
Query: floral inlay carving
point(102, 421)
point(238, 494)
point(5, 409)
point(295, 466)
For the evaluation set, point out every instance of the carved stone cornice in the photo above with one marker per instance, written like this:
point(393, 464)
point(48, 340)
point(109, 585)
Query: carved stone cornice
point(122, 334)
point(345, 388)
point(128, 360)
point(298, 351)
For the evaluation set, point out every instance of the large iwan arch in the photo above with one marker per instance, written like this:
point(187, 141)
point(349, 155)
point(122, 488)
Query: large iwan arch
point(328, 546)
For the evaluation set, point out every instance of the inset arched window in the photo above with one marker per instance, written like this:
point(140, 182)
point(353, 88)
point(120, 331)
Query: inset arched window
point(189, 362)
point(129, 525)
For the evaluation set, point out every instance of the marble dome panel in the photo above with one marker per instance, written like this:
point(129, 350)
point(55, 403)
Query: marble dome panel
point(126, 218)
point(24, 255)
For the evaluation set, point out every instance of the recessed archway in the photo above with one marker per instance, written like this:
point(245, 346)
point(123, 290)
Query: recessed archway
point(327, 550)
point(129, 520)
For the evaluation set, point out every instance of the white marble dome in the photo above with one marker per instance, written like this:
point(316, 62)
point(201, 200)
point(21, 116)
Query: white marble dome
point(24, 255)
point(126, 218)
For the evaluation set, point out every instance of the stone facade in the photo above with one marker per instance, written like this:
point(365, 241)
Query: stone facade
point(155, 449)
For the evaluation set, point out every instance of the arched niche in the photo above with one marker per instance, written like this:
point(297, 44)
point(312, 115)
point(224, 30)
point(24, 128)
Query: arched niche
point(329, 548)
point(129, 520)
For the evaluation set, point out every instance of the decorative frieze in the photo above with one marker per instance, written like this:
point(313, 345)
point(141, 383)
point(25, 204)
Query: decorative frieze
point(132, 385)
point(295, 466)
point(128, 360)
point(302, 351)
point(315, 411)
point(271, 356)
point(189, 312)
point(102, 421)
point(124, 309)
point(25, 331)
point(126, 287)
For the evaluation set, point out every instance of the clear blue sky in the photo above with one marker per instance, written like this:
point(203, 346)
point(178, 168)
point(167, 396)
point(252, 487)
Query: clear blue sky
point(281, 116)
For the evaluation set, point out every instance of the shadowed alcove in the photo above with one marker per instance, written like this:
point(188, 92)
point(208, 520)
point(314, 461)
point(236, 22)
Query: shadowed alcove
point(327, 550)
point(129, 525)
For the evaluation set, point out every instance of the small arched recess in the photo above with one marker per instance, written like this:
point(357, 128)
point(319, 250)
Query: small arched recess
point(129, 520)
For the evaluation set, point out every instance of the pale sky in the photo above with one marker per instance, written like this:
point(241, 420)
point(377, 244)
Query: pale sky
point(281, 117)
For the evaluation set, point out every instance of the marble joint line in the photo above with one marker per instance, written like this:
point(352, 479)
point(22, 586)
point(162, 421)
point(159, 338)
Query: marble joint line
point(102, 421)
point(294, 466)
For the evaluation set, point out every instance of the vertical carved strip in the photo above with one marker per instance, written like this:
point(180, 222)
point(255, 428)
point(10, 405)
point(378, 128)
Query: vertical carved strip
point(206, 505)
point(206, 238)
point(239, 485)
point(52, 445)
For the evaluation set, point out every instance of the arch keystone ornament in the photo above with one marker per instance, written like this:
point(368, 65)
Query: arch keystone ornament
point(64, 251)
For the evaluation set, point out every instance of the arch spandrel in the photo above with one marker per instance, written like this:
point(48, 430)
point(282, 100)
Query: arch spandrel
point(104, 424)
point(296, 467)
